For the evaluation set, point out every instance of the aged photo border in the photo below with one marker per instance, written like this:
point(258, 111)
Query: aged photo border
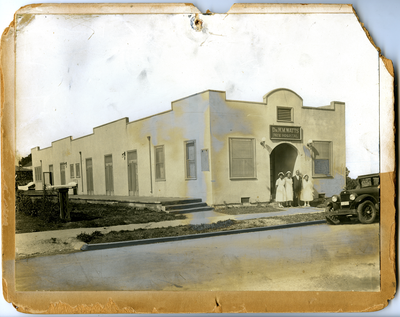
point(196, 301)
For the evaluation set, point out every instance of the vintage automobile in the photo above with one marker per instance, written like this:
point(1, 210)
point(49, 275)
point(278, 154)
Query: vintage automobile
point(362, 203)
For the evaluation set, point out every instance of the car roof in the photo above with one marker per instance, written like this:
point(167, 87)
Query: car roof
point(368, 175)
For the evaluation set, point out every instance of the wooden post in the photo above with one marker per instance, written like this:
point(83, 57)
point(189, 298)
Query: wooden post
point(63, 198)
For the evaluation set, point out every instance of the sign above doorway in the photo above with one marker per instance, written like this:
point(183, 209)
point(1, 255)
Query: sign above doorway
point(278, 132)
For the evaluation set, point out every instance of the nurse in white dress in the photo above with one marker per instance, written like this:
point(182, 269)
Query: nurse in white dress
point(307, 191)
point(289, 188)
point(280, 190)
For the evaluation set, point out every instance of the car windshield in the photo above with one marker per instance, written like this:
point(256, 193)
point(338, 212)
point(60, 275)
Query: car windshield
point(369, 181)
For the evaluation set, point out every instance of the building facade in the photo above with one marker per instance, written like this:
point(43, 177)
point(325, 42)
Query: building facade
point(222, 151)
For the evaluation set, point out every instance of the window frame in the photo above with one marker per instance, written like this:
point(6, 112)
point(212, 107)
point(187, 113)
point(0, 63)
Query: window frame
point(291, 114)
point(253, 141)
point(71, 170)
point(329, 175)
point(187, 160)
point(157, 177)
point(77, 170)
point(51, 174)
point(38, 174)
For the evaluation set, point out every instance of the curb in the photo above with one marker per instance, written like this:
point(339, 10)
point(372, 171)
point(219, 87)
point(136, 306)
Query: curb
point(119, 244)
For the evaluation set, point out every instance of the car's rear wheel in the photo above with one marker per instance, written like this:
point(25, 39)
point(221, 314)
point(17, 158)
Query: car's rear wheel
point(331, 219)
point(366, 212)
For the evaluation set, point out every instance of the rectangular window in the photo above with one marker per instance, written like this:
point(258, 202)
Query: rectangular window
point(242, 158)
point(63, 176)
point(71, 170)
point(160, 164)
point(51, 174)
point(38, 174)
point(108, 162)
point(77, 170)
point(190, 158)
point(285, 114)
point(322, 158)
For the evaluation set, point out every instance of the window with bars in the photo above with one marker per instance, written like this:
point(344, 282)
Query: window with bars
point(242, 158)
point(38, 174)
point(71, 171)
point(322, 158)
point(190, 158)
point(284, 114)
point(160, 162)
point(77, 170)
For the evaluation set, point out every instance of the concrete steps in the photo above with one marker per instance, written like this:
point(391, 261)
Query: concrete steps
point(186, 206)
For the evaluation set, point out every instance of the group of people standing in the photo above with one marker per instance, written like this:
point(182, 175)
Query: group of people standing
point(294, 189)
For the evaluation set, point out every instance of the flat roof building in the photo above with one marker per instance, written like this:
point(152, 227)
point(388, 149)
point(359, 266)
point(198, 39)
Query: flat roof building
point(222, 151)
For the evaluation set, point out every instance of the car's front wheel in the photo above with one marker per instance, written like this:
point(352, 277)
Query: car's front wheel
point(367, 212)
point(331, 219)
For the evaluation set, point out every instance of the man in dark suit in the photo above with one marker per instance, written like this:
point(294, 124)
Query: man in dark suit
point(297, 184)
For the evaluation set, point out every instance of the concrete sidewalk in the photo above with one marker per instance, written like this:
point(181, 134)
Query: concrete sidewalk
point(64, 241)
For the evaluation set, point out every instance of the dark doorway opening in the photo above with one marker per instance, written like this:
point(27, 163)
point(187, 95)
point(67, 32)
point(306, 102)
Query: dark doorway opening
point(282, 159)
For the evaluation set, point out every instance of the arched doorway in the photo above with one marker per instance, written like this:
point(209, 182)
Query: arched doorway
point(282, 159)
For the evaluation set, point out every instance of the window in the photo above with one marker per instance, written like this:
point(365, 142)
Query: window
point(63, 175)
point(190, 158)
point(51, 174)
point(285, 114)
point(77, 170)
point(38, 174)
point(71, 170)
point(160, 164)
point(322, 158)
point(242, 158)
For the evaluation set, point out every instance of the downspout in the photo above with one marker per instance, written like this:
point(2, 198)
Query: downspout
point(151, 176)
point(80, 155)
point(42, 176)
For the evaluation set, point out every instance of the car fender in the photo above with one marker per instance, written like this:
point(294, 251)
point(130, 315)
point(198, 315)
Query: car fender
point(360, 199)
point(334, 205)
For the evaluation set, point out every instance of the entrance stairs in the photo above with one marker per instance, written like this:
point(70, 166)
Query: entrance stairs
point(185, 206)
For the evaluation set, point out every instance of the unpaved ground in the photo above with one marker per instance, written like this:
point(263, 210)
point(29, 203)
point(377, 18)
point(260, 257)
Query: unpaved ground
point(65, 241)
point(306, 258)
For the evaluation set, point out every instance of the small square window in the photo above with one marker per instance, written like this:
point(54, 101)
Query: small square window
point(245, 200)
point(285, 114)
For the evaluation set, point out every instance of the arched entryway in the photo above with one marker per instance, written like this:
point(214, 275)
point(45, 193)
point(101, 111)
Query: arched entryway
point(282, 159)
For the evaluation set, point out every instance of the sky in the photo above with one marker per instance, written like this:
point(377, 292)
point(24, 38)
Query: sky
point(78, 72)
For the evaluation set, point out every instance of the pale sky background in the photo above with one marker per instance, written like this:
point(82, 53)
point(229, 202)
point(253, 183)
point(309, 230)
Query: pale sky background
point(78, 72)
point(381, 20)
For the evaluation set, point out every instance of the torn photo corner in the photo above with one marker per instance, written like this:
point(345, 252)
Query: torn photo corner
point(172, 161)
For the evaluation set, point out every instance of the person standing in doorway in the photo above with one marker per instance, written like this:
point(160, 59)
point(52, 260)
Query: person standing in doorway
point(297, 185)
point(307, 191)
point(280, 190)
point(289, 188)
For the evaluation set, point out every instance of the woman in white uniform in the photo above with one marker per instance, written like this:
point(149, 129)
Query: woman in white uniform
point(307, 191)
point(289, 188)
point(280, 190)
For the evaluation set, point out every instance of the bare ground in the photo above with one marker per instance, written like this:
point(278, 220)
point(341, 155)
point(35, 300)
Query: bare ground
point(65, 241)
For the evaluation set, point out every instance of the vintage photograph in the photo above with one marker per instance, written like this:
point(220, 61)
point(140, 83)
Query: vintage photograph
point(187, 151)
